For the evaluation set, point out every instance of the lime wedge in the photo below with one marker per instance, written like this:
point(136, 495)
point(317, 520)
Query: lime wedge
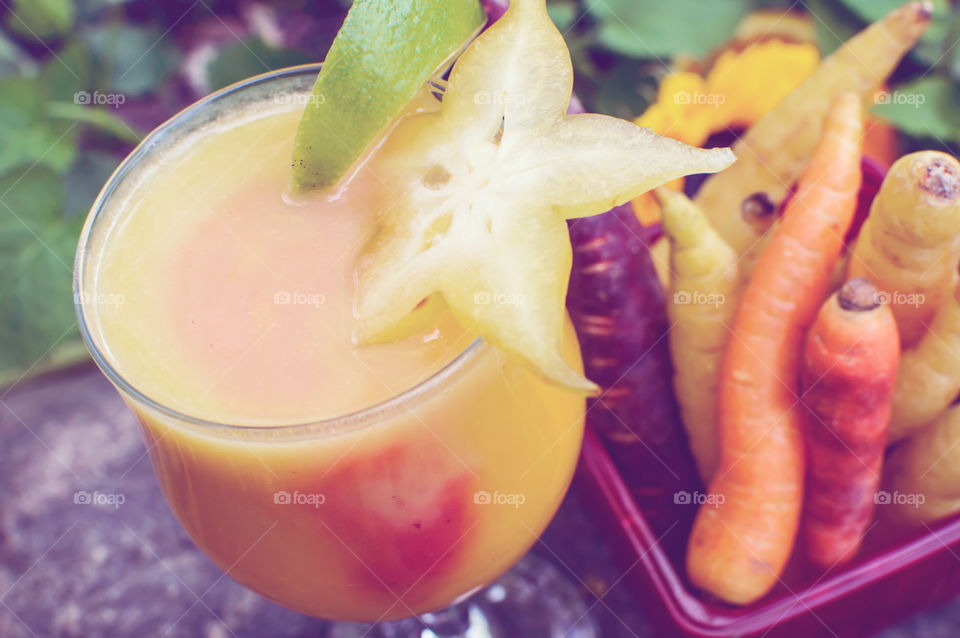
point(381, 57)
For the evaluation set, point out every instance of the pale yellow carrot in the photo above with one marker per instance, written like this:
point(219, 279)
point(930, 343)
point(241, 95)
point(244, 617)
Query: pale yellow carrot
point(922, 475)
point(908, 245)
point(774, 151)
point(704, 291)
point(929, 376)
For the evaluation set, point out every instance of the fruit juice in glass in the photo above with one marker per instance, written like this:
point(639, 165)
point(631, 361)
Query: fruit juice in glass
point(349, 482)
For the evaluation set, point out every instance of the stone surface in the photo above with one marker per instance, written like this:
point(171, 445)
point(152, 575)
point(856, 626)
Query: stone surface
point(72, 569)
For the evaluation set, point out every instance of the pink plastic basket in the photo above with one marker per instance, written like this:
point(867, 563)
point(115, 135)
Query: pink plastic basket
point(894, 575)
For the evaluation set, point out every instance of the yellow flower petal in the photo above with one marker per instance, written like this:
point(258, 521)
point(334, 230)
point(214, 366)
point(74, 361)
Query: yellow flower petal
point(741, 87)
point(678, 112)
point(754, 81)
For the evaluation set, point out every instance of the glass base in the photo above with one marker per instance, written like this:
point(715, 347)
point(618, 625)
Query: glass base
point(533, 600)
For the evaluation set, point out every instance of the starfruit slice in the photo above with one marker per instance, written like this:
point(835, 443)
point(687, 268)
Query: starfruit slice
point(424, 315)
point(480, 190)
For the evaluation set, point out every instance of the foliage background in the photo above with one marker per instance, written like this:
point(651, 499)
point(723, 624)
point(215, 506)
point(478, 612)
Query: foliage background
point(82, 81)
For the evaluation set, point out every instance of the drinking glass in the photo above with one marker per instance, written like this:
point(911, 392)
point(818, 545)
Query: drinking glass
point(393, 512)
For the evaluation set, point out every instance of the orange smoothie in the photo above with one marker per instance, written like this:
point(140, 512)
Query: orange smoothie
point(344, 481)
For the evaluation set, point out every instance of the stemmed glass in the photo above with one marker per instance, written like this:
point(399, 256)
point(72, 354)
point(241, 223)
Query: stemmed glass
point(391, 513)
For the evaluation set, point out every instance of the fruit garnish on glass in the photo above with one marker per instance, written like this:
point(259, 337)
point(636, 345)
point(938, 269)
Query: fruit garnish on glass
point(304, 361)
point(481, 188)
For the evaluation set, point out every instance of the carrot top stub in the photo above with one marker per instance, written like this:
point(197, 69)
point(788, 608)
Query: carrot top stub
point(859, 295)
point(940, 179)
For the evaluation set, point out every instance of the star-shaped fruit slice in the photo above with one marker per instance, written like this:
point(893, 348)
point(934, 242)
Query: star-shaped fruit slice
point(480, 189)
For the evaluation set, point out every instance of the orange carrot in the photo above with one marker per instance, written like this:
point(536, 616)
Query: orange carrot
point(740, 545)
point(850, 362)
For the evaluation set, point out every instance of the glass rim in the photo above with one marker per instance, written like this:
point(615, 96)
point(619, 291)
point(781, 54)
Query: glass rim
point(331, 426)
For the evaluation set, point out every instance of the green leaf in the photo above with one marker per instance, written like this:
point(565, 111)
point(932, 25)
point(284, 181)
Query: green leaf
point(563, 14)
point(243, 59)
point(99, 117)
point(627, 89)
point(68, 73)
point(84, 180)
point(653, 28)
point(833, 24)
point(928, 107)
point(13, 61)
point(933, 45)
point(36, 302)
point(951, 60)
point(871, 10)
point(89, 10)
point(134, 60)
point(35, 144)
point(29, 200)
point(41, 19)
point(36, 254)
point(21, 101)
point(28, 139)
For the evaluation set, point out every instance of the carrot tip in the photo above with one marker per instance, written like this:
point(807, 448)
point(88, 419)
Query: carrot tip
point(858, 295)
point(925, 10)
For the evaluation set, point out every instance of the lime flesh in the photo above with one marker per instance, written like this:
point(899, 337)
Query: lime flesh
point(381, 57)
